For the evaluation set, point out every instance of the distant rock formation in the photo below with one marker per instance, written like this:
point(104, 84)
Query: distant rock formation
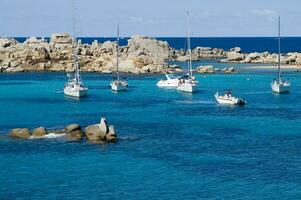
point(209, 69)
point(235, 56)
point(142, 55)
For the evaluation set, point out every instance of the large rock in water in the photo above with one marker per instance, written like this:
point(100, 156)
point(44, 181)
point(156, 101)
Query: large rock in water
point(206, 69)
point(73, 132)
point(97, 132)
point(39, 132)
point(22, 133)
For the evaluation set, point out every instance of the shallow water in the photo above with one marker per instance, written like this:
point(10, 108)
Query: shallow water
point(172, 145)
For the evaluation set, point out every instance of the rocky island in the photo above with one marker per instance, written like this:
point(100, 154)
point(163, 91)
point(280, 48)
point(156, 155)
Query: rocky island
point(96, 133)
point(141, 55)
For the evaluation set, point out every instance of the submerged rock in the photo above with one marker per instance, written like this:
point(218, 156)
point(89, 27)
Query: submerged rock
point(22, 133)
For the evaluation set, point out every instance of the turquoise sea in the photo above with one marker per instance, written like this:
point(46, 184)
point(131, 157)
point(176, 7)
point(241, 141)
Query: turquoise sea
point(172, 145)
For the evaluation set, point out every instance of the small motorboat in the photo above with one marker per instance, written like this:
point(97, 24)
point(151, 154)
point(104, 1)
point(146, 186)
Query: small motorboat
point(228, 99)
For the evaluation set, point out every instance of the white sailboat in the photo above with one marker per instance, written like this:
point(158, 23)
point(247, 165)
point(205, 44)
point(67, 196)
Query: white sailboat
point(280, 85)
point(75, 87)
point(118, 84)
point(188, 84)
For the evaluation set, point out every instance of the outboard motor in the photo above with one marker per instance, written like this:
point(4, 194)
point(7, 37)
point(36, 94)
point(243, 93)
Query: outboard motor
point(241, 102)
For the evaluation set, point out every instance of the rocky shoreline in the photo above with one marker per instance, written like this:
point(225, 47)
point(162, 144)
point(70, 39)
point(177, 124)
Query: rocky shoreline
point(142, 55)
point(96, 133)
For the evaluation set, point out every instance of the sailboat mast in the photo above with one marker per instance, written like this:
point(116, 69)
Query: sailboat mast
point(189, 47)
point(117, 51)
point(74, 44)
point(279, 50)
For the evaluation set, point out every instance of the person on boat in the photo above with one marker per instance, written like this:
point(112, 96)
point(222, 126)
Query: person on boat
point(228, 93)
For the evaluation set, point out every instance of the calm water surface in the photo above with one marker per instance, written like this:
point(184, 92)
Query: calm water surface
point(172, 145)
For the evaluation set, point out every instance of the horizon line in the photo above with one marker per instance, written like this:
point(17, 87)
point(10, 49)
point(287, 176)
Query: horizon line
point(259, 36)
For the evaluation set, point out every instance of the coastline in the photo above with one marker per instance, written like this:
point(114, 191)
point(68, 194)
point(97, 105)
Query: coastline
point(283, 67)
point(141, 55)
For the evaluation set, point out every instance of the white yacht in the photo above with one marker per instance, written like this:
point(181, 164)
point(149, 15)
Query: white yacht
point(118, 84)
point(188, 84)
point(280, 85)
point(228, 99)
point(171, 81)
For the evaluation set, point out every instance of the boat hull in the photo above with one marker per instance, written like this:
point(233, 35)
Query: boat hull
point(118, 87)
point(280, 88)
point(187, 87)
point(229, 100)
point(168, 83)
point(75, 92)
point(224, 101)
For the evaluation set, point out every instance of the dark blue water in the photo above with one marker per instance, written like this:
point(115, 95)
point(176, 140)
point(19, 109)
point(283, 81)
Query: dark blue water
point(247, 44)
point(172, 145)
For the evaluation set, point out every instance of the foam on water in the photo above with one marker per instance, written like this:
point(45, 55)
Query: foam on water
point(48, 136)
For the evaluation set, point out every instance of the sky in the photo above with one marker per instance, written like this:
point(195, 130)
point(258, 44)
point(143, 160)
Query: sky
point(157, 18)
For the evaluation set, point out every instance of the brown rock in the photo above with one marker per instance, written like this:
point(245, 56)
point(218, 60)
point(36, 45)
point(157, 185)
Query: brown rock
point(94, 133)
point(111, 135)
point(73, 132)
point(72, 127)
point(22, 133)
point(74, 135)
point(39, 132)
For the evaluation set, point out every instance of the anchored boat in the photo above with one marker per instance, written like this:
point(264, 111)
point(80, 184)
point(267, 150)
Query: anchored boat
point(280, 85)
point(188, 84)
point(75, 87)
point(118, 84)
point(171, 81)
